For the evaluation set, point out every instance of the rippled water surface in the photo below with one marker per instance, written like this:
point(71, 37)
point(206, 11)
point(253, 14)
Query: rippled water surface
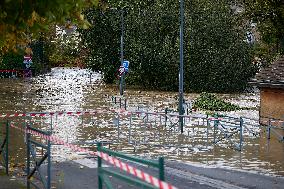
point(74, 89)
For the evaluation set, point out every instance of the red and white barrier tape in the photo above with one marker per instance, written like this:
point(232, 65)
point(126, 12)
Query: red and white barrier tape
point(51, 114)
point(136, 172)
point(114, 161)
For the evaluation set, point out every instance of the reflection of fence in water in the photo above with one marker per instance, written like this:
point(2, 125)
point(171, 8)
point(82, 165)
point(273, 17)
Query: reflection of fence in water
point(149, 128)
point(162, 130)
point(158, 129)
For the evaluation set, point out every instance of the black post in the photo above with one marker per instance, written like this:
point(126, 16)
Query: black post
point(181, 111)
point(28, 135)
point(121, 52)
point(100, 182)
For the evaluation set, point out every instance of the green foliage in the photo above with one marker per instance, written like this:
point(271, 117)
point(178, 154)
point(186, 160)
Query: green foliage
point(64, 48)
point(102, 39)
point(218, 60)
point(208, 101)
point(11, 61)
point(41, 63)
point(216, 57)
point(269, 16)
point(21, 18)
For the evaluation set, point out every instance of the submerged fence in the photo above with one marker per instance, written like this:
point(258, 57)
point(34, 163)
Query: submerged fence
point(39, 141)
point(4, 142)
point(154, 129)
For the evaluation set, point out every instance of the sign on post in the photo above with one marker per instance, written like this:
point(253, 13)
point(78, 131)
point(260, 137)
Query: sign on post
point(121, 71)
point(126, 65)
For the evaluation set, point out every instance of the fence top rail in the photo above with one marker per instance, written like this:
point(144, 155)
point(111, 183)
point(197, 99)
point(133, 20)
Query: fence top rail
point(127, 157)
point(42, 114)
point(127, 113)
point(203, 116)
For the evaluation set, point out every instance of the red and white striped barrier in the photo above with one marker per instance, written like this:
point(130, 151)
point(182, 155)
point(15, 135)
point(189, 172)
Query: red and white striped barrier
point(114, 161)
point(136, 172)
point(46, 114)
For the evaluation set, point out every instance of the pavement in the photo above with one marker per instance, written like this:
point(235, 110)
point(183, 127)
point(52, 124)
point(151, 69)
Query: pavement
point(83, 174)
point(9, 182)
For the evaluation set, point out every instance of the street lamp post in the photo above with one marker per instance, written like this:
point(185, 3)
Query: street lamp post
point(121, 82)
point(181, 75)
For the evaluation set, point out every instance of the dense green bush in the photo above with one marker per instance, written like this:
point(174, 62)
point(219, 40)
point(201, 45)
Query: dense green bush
point(41, 63)
point(208, 101)
point(219, 60)
point(12, 60)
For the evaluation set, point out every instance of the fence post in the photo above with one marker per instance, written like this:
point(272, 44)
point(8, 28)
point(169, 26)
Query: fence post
point(207, 134)
point(48, 163)
point(28, 155)
point(129, 131)
point(118, 128)
point(161, 169)
point(269, 129)
point(241, 133)
point(125, 103)
point(215, 126)
point(166, 112)
point(100, 182)
point(7, 147)
point(145, 128)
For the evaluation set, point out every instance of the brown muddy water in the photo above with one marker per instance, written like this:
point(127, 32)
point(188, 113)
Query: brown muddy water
point(74, 89)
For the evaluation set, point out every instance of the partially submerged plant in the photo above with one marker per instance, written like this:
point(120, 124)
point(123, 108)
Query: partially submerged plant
point(208, 101)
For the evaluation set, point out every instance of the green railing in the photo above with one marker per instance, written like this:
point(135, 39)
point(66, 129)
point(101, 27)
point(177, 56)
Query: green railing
point(4, 148)
point(33, 164)
point(104, 173)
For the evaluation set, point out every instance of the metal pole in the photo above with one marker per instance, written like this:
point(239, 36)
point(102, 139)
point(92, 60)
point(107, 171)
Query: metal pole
point(269, 129)
point(121, 53)
point(49, 163)
point(28, 155)
point(129, 132)
point(100, 181)
point(118, 128)
point(7, 147)
point(181, 75)
point(161, 169)
point(241, 133)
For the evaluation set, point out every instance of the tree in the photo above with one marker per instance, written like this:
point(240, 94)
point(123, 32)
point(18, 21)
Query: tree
point(269, 17)
point(150, 41)
point(219, 58)
point(22, 19)
point(214, 44)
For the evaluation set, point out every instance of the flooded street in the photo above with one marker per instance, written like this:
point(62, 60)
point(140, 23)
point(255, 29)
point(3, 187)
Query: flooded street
point(66, 89)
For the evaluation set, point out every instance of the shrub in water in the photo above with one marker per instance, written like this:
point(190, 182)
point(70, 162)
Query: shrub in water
point(208, 101)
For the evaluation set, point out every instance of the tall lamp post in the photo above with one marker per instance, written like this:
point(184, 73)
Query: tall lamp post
point(121, 81)
point(181, 75)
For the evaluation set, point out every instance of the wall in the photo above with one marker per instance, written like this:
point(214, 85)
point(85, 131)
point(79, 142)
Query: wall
point(272, 103)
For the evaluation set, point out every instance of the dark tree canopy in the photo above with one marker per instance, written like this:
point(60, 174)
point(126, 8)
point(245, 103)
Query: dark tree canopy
point(217, 58)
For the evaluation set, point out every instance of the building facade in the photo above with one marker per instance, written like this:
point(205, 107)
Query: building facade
point(270, 81)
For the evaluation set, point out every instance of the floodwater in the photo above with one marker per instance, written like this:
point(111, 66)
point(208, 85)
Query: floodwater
point(74, 89)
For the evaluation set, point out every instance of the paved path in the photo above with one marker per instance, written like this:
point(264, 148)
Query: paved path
point(7, 182)
point(73, 175)
point(83, 174)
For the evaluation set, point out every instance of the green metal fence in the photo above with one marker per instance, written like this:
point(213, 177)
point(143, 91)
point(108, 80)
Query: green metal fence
point(34, 163)
point(103, 173)
point(4, 148)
